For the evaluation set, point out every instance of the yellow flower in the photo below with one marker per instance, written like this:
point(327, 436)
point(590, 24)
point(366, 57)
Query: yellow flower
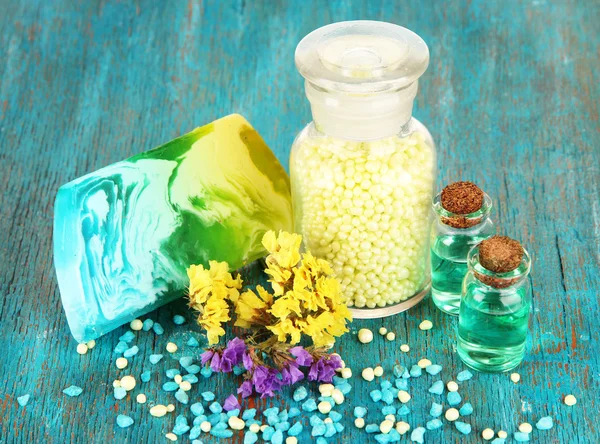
point(286, 305)
point(215, 312)
point(249, 304)
point(285, 249)
point(279, 277)
point(285, 328)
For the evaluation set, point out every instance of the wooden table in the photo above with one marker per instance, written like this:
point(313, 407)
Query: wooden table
point(510, 96)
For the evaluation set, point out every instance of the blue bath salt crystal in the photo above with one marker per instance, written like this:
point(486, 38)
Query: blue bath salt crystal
point(309, 405)
point(147, 324)
point(382, 438)
point(200, 419)
point(238, 370)
point(155, 359)
point(222, 434)
point(385, 385)
point(462, 427)
point(172, 372)
point(182, 396)
point(73, 390)
point(272, 419)
point(214, 419)
point(178, 320)
point(277, 437)
point(192, 379)
point(403, 410)
point(195, 432)
point(185, 361)
point(283, 415)
point(248, 414)
point(417, 435)
point(321, 440)
point(401, 384)
point(296, 429)
point(181, 425)
point(119, 393)
point(146, 375)
point(388, 410)
point(398, 370)
point(23, 400)
point(250, 437)
point(318, 430)
point(314, 420)
point(215, 407)
point(406, 374)
point(465, 375)
point(335, 416)
point(208, 396)
point(121, 347)
point(360, 412)
point(521, 437)
point(437, 388)
point(194, 369)
point(293, 412)
point(300, 393)
point(192, 342)
point(329, 430)
point(387, 396)
point(338, 426)
point(498, 441)
point(394, 435)
point(197, 409)
point(270, 411)
point(544, 423)
point(131, 351)
point(128, 336)
point(415, 371)
point(344, 388)
point(371, 428)
point(158, 329)
point(170, 386)
point(328, 399)
point(268, 433)
point(433, 369)
point(436, 409)
point(466, 409)
point(433, 424)
point(454, 398)
point(283, 426)
point(376, 395)
point(124, 421)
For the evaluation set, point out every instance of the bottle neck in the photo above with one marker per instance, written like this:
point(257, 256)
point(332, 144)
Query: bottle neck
point(498, 280)
point(463, 221)
point(361, 117)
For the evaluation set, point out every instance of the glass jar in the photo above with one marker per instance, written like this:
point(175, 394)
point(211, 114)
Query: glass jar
point(494, 316)
point(452, 236)
point(363, 171)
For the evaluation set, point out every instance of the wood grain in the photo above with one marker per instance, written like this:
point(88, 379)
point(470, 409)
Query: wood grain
point(511, 97)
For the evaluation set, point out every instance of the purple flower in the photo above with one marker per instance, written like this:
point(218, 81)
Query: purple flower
point(215, 363)
point(247, 360)
point(231, 403)
point(291, 374)
point(266, 381)
point(303, 357)
point(245, 389)
point(234, 351)
point(324, 369)
point(206, 356)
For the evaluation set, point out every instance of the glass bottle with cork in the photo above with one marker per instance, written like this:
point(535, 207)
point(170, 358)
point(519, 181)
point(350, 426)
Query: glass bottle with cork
point(462, 212)
point(495, 306)
point(363, 171)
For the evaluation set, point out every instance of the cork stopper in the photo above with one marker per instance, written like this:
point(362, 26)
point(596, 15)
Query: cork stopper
point(461, 198)
point(499, 254)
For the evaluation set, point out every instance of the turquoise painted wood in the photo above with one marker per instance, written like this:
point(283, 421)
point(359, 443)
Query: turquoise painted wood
point(511, 97)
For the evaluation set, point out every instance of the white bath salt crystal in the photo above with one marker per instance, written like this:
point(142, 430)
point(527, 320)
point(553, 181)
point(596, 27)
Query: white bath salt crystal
point(487, 434)
point(404, 348)
point(390, 417)
point(170, 408)
point(254, 428)
point(171, 436)
point(382, 331)
point(141, 398)
point(346, 373)
point(502, 434)
point(324, 407)
point(263, 427)
point(171, 348)
point(378, 371)
point(128, 382)
point(424, 363)
point(82, 348)
point(359, 423)
point(402, 427)
point(391, 336)
point(91, 344)
point(365, 335)
point(525, 427)
point(186, 386)
point(236, 423)
point(338, 396)
point(368, 374)
point(426, 325)
point(452, 386)
point(158, 410)
point(328, 420)
point(452, 414)
point(403, 396)
point(136, 325)
point(121, 363)
point(205, 426)
point(570, 400)
point(291, 440)
point(116, 383)
point(515, 377)
point(386, 426)
point(326, 389)
point(177, 379)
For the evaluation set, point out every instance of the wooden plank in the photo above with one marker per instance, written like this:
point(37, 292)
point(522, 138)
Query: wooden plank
point(511, 97)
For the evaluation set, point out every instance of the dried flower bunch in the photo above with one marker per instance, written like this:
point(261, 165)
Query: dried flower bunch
point(305, 302)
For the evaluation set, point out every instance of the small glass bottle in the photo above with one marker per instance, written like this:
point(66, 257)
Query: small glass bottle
point(462, 213)
point(495, 306)
point(363, 171)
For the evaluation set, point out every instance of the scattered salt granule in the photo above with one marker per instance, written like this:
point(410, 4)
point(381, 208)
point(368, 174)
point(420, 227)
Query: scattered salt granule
point(23, 400)
point(404, 348)
point(403, 396)
point(127, 337)
point(424, 363)
point(452, 414)
point(73, 390)
point(171, 347)
point(391, 336)
point(193, 342)
point(452, 386)
point(544, 423)
point(463, 427)
point(82, 348)
point(365, 335)
point(124, 421)
point(91, 344)
point(158, 329)
point(433, 369)
point(465, 375)
point(426, 325)
point(136, 325)
point(171, 437)
point(147, 324)
point(368, 374)
point(119, 392)
point(383, 331)
point(525, 427)
point(378, 371)
point(502, 434)
point(515, 377)
point(121, 363)
point(570, 400)
point(178, 320)
point(141, 398)
point(128, 382)
point(131, 351)
point(359, 422)
point(402, 427)
point(521, 437)
point(158, 410)
point(417, 435)
point(487, 434)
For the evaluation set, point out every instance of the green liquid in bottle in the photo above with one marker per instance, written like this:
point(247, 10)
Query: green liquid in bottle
point(492, 327)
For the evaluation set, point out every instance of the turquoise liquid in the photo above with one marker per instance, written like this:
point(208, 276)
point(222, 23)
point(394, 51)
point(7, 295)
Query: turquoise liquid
point(448, 269)
point(492, 327)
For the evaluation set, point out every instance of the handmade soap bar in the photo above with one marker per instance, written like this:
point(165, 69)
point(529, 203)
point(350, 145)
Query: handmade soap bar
point(125, 234)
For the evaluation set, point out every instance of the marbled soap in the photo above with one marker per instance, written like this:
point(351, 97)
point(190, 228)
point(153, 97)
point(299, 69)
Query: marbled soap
point(125, 234)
